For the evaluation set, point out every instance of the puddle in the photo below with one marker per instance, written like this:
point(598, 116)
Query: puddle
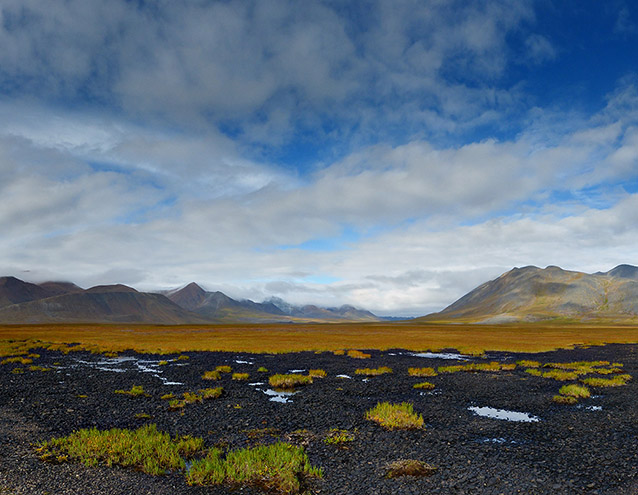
point(590, 408)
point(239, 361)
point(490, 412)
point(256, 384)
point(441, 355)
point(296, 371)
point(275, 396)
point(122, 365)
point(344, 376)
point(499, 440)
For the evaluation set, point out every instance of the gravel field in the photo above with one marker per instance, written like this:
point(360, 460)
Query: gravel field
point(590, 447)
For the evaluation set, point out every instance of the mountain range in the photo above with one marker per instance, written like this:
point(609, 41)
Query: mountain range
point(541, 294)
point(57, 302)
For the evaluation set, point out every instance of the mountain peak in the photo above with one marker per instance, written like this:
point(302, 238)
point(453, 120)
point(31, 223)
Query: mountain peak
point(624, 271)
point(111, 288)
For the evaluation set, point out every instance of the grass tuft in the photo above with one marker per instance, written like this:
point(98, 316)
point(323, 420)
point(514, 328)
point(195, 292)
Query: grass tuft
point(577, 391)
point(240, 376)
point(395, 416)
point(616, 381)
point(317, 373)
point(146, 448)
point(565, 399)
point(211, 375)
point(422, 372)
point(526, 363)
point(424, 386)
point(262, 369)
point(289, 381)
point(136, 391)
point(409, 467)
point(338, 437)
point(382, 370)
point(353, 353)
point(224, 368)
point(279, 467)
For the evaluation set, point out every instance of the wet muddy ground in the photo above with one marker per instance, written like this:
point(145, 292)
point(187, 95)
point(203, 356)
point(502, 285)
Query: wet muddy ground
point(473, 431)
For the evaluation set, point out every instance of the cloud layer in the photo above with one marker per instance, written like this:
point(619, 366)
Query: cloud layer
point(391, 155)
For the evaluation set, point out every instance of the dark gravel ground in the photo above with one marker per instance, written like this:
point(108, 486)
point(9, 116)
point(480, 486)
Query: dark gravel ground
point(588, 448)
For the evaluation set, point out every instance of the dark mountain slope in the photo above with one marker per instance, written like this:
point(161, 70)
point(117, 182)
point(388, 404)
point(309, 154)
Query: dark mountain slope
point(532, 294)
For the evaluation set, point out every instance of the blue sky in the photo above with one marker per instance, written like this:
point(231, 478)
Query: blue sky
point(387, 154)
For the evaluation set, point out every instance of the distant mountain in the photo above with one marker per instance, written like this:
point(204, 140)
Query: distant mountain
point(536, 294)
point(217, 306)
point(55, 302)
point(59, 302)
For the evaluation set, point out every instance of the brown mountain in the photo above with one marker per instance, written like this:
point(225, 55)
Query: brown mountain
point(218, 307)
point(101, 304)
point(535, 294)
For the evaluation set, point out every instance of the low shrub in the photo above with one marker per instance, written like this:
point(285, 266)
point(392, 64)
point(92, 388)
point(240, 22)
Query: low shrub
point(289, 381)
point(262, 369)
point(279, 467)
point(560, 375)
point(451, 369)
point(211, 393)
point(422, 372)
point(409, 467)
point(224, 368)
point(168, 396)
point(240, 376)
point(424, 386)
point(146, 448)
point(382, 370)
point(534, 372)
point(395, 416)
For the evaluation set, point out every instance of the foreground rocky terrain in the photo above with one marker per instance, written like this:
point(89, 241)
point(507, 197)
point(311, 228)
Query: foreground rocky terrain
point(590, 447)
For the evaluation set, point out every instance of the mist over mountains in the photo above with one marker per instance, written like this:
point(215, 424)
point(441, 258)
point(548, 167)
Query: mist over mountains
point(59, 302)
point(525, 294)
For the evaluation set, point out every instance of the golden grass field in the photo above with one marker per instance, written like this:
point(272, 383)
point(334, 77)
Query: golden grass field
point(276, 338)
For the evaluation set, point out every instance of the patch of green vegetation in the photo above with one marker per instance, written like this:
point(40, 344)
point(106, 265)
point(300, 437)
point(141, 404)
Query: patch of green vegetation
point(353, 353)
point(424, 386)
point(211, 375)
point(317, 373)
point(565, 399)
point(168, 396)
point(574, 390)
point(409, 467)
point(422, 372)
point(17, 371)
point(451, 369)
point(35, 367)
point(560, 375)
point(142, 416)
point(534, 372)
point(162, 363)
point(395, 416)
point(280, 467)
point(474, 367)
point(289, 381)
point(262, 369)
point(339, 352)
point(182, 357)
point(176, 404)
point(136, 391)
point(338, 437)
point(382, 370)
point(16, 359)
point(146, 448)
point(211, 393)
point(240, 376)
point(223, 369)
point(616, 381)
point(259, 433)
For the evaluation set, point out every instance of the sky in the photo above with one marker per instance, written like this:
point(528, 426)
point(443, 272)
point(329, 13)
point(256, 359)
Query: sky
point(389, 154)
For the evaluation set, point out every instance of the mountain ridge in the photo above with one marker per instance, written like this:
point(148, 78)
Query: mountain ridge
point(60, 302)
point(531, 293)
